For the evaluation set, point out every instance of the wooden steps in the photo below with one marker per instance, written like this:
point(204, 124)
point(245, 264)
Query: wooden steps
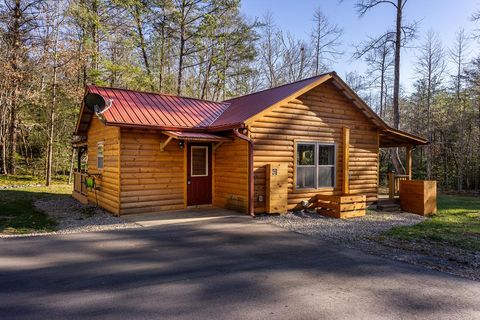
point(341, 207)
point(388, 205)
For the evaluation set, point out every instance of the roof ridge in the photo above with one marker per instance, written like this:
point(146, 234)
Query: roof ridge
point(282, 85)
point(156, 93)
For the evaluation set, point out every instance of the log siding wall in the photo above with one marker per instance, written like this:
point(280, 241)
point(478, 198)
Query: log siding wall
point(151, 180)
point(231, 176)
point(107, 194)
point(318, 115)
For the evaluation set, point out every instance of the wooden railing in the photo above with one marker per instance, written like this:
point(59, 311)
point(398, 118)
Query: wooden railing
point(394, 183)
point(79, 182)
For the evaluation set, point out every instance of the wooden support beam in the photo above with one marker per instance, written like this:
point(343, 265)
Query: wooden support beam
point(346, 160)
point(164, 144)
point(408, 166)
point(216, 145)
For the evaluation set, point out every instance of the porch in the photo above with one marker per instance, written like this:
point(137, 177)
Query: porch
point(402, 192)
point(80, 175)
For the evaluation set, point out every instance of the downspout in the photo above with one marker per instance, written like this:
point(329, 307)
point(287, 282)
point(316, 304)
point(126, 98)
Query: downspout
point(251, 209)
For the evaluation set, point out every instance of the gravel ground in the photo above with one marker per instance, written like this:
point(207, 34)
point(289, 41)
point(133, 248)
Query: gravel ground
point(17, 186)
point(73, 217)
point(364, 233)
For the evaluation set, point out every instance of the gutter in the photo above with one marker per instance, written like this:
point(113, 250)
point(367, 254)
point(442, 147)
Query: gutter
point(251, 209)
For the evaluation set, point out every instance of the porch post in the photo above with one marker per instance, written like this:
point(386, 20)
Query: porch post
point(408, 167)
point(79, 159)
point(346, 159)
point(391, 185)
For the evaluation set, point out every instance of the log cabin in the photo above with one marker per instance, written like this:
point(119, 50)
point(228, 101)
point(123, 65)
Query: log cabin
point(267, 152)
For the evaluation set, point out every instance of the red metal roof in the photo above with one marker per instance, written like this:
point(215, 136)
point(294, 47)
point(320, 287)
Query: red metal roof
point(245, 107)
point(180, 114)
point(157, 110)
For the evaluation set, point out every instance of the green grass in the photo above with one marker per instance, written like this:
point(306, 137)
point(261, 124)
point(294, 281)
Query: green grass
point(18, 215)
point(456, 224)
point(24, 179)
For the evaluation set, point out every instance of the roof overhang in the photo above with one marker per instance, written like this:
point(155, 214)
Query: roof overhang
point(390, 138)
point(195, 136)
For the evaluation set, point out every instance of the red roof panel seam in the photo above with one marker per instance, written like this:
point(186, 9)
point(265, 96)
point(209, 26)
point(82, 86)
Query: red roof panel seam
point(146, 106)
point(152, 110)
point(203, 110)
point(173, 112)
point(159, 105)
point(128, 106)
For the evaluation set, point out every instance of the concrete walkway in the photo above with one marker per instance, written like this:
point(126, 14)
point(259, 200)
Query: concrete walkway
point(226, 268)
point(182, 216)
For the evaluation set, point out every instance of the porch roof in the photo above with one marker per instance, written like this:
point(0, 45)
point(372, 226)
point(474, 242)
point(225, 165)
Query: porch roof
point(195, 136)
point(390, 137)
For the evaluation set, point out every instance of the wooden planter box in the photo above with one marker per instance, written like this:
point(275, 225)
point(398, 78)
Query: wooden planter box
point(418, 196)
point(342, 207)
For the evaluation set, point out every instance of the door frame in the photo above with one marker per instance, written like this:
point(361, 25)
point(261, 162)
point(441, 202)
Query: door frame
point(210, 168)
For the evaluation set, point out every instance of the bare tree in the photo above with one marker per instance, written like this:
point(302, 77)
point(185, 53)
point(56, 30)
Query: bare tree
point(295, 58)
point(457, 55)
point(270, 51)
point(326, 39)
point(380, 63)
point(401, 34)
point(53, 23)
point(476, 18)
point(430, 67)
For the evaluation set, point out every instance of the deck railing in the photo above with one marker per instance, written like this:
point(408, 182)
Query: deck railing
point(79, 182)
point(394, 183)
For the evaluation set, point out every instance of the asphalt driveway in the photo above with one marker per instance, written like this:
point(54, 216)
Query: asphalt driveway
point(228, 268)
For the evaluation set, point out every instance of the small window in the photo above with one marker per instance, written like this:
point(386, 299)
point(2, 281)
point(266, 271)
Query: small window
point(306, 165)
point(100, 155)
point(315, 167)
point(199, 161)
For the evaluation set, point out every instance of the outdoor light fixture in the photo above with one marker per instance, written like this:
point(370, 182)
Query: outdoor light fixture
point(180, 144)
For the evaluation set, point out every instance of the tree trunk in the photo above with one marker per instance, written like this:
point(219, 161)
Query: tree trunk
point(206, 78)
point(70, 172)
point(48, 174)
point(181, 52)
point(396, 161)
point(143, 46)
point(4, 158)
point(12, 150)
point(396, 84)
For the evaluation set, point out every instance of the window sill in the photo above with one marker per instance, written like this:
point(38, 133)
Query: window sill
point(309, 190)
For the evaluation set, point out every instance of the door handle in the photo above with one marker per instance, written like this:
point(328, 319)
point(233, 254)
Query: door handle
point(189, 182)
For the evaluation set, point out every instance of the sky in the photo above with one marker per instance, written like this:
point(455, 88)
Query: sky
point(445, 17)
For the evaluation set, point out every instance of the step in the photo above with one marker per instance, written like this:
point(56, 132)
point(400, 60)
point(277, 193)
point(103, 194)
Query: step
point(388, 207)
point(388, 201)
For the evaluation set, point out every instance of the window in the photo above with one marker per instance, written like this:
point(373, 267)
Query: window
point(199, 161)
point(100, 155)
point(315, 165)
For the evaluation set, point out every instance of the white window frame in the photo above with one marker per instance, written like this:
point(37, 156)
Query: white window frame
point(101, 144)
point(316, 165)
point(191, 161)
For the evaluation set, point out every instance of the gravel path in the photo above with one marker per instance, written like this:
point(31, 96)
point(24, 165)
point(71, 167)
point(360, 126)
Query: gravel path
point(73, 217)
point(364, 233)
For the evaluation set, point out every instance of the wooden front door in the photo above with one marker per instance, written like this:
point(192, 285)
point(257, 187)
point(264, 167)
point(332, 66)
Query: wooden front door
point(199, 174)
